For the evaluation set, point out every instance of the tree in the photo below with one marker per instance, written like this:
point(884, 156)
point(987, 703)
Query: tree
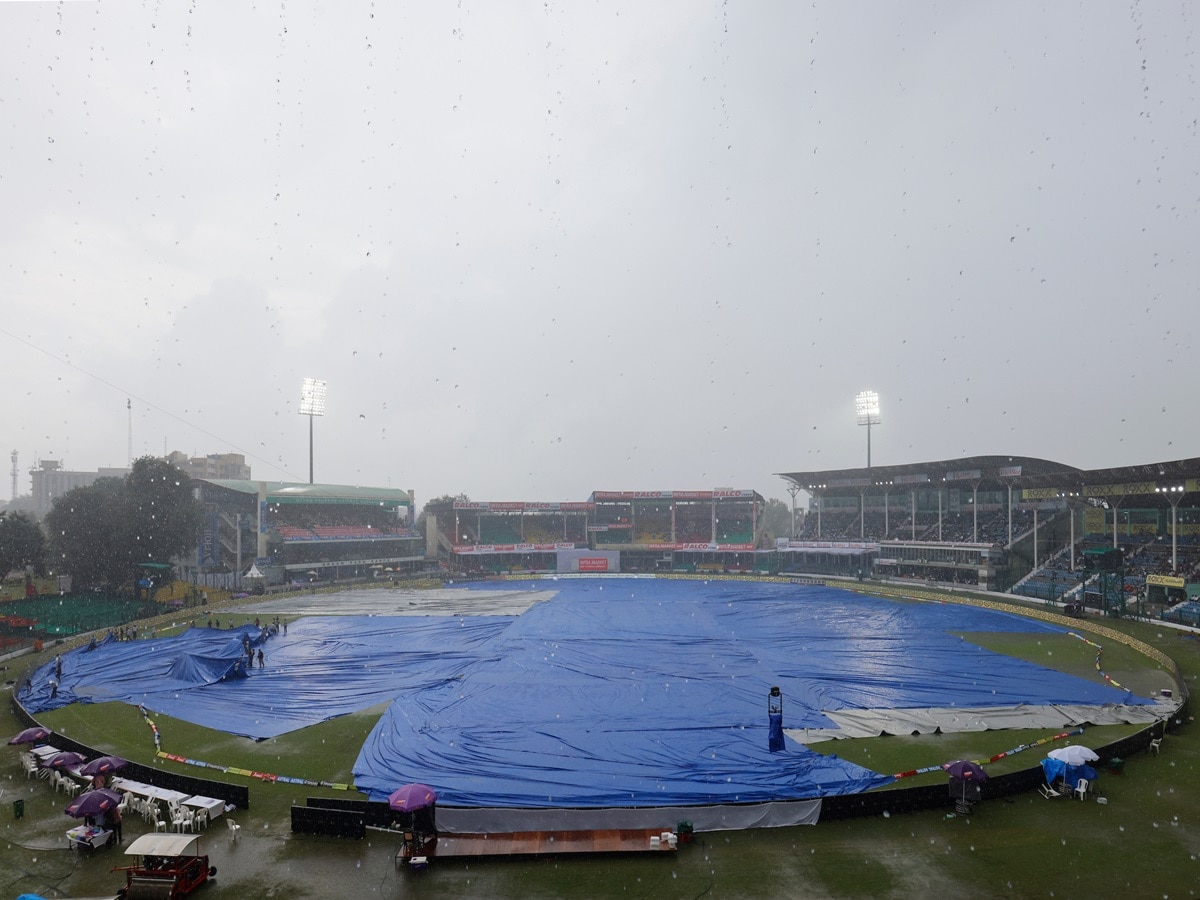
point(85, 526)
point(104, 533)
point(22, 544)
point(778, 518)
point(442, 507)
point(163, 515)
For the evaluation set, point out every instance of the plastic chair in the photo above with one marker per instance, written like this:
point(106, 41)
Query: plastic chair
point(161, 825)
point(234, 828)
point(1156, 746)
point(1081, 789)
point(180, 821)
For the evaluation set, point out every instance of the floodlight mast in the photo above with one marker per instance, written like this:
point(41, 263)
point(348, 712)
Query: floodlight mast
point(866, 404)
point(312, 403)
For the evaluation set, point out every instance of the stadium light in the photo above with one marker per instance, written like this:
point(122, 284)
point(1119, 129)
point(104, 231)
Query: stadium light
point(312, 403)
point(866, 404)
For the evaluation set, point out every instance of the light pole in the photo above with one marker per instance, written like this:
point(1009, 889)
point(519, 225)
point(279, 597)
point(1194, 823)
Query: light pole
point(312, 403)
point(793, 489)
point(866, 404)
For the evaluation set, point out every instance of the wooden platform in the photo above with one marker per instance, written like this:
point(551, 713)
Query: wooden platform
point(539, 843)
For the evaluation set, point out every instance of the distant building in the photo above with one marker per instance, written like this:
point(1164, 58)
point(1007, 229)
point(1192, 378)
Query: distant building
point(230, 466)
point(51, 481)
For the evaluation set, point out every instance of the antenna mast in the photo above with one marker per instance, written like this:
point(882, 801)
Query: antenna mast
point(129, 412)
point(14, 474)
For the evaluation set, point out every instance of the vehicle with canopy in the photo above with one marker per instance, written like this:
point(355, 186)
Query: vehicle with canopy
point(168, 866)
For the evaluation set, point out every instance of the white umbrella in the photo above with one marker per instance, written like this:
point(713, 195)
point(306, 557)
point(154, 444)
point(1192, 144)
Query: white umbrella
point(1074, 754)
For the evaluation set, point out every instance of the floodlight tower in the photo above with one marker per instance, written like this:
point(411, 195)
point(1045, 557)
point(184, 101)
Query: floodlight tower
point(312, 403)
point(866, 404)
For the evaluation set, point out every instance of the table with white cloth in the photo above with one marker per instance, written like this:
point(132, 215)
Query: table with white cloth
point(44, 752)
point(149, 791)
point(212, 806)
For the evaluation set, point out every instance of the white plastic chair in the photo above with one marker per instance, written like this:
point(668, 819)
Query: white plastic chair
point(181, 820)
point(1081, 789)
point(1156, 746)
point(161, 825)
point(234, 828)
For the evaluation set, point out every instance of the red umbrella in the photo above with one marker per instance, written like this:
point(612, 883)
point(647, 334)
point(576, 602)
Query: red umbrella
point(412, 797)
point(103, 765)
point(93, 803)
point(65, 760)
point(31, 735)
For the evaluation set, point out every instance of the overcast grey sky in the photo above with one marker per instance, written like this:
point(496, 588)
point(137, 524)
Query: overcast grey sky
point(537, 249)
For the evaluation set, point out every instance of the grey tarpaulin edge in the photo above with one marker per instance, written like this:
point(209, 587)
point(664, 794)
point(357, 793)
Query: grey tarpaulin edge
point(731, 817)
point(864, 723)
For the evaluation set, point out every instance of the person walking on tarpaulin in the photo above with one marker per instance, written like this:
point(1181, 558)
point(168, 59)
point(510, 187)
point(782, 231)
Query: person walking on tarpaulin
point(775, 720)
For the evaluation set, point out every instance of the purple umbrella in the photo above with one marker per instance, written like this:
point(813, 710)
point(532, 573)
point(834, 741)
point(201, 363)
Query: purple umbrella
point(412, 797)
point(965, 770)
point(103, 765)
point(93, 803)
point(65, 760)
point(31, 735)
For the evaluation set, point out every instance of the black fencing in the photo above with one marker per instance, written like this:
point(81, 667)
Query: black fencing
point(335, 822)
point(376, 814)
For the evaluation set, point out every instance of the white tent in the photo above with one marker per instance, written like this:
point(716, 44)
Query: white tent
point(253, 572)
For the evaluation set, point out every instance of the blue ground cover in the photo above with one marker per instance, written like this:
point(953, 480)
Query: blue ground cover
point(616, 692)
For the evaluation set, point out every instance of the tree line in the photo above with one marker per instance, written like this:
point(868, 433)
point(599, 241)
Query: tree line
point(102, 534)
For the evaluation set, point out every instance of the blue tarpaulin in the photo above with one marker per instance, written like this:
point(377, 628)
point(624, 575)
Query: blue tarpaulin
point(1057, 770)
point(614, 692)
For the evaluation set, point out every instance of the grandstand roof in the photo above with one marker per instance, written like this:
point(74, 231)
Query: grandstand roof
point(293, 492)
point(1024, 472)
point(989, 468)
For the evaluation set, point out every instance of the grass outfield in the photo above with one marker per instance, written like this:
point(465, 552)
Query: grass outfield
point(1144, 842)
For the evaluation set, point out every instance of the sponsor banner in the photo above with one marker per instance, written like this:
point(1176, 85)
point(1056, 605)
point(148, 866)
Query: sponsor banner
point(833, 545)
point(964, 475)
point(1172, 581)
point(1008, 471)
point(513, 548)
point(522, 506)
point(208, 552)
point(848, 482)
point(1119, 490)
point(1040, 493)
point(719, 494)
point(910, 479)
point(593, 564)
